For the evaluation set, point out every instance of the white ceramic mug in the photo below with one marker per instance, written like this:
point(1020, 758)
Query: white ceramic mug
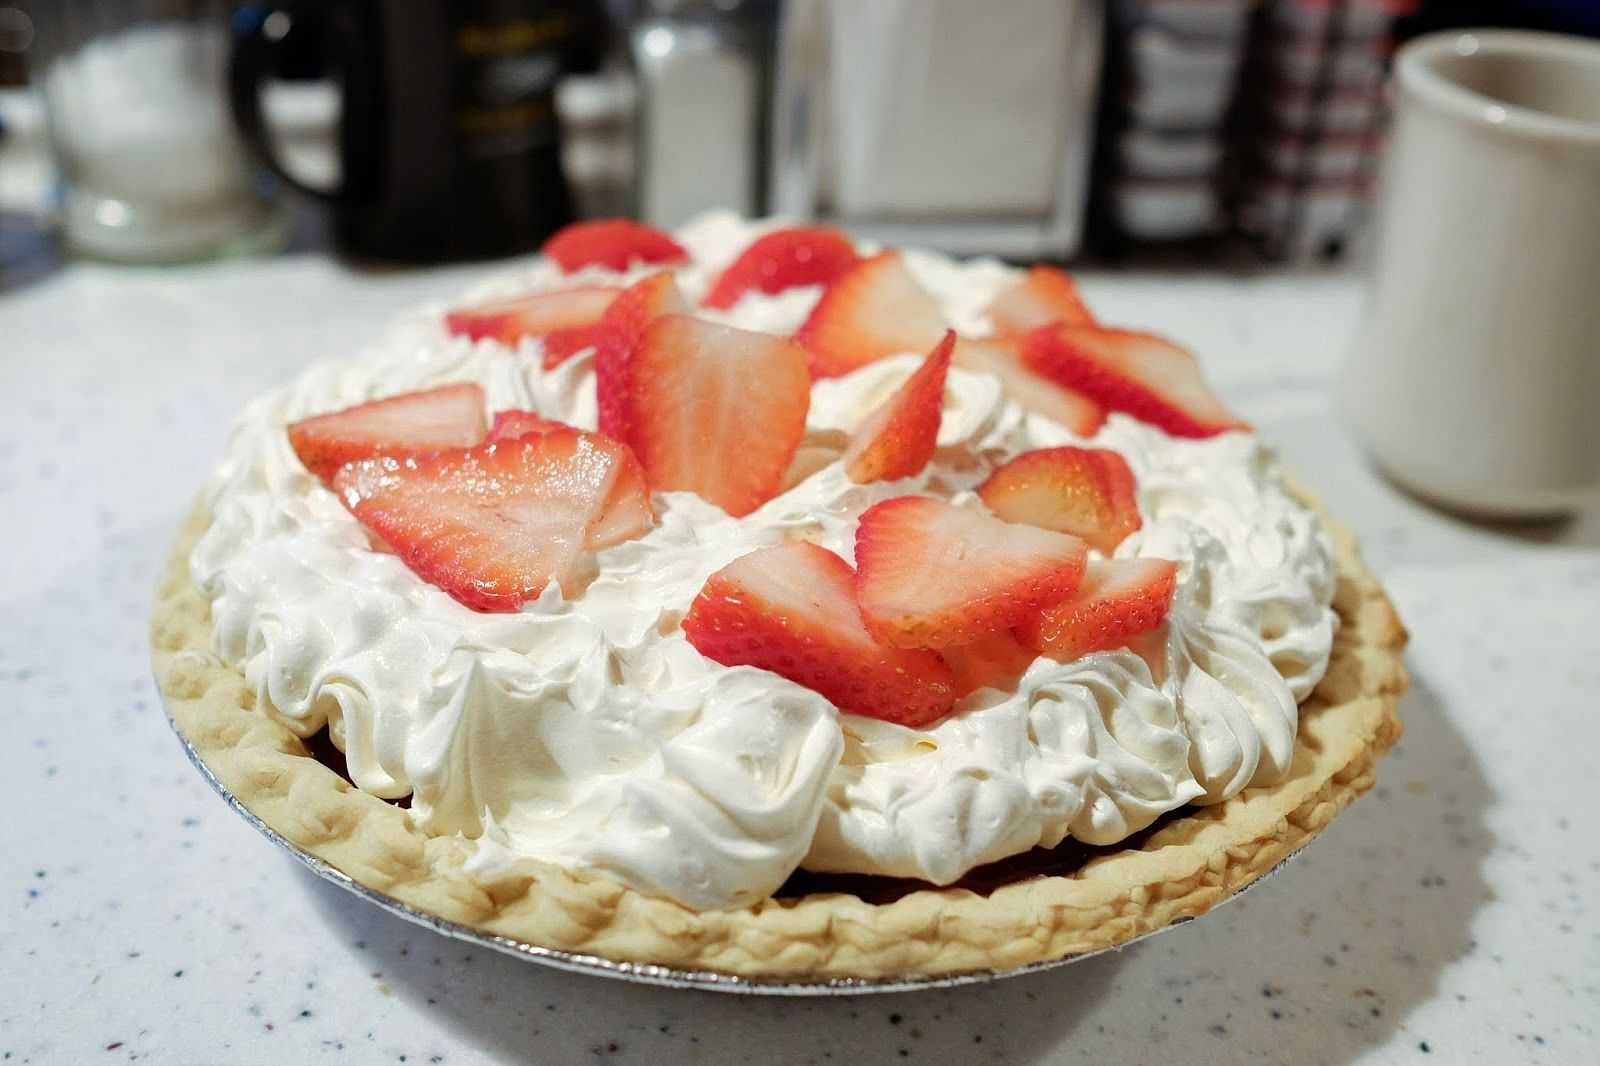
point(1475, 380)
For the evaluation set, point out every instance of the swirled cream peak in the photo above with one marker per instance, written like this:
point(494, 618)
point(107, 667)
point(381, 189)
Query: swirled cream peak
point(588, 732)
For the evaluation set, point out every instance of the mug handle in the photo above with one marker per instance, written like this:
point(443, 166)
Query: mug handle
point(258, 41)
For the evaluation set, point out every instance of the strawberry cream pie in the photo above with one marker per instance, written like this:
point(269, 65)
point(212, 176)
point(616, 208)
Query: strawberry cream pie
point(751, 600)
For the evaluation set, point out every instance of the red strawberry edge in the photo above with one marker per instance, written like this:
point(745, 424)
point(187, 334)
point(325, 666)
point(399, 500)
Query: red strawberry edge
point(615, 339)
point(408, 424)
point(536, 314)
point(930, 574)
point(995, 661)
point(613, 243)
point(1066, 407)
point(873, 310)
point(716, 410)
point(509, 425)
point(1140, 374)
point(783, 259)
point(790, 609)
point(1043, 295)
point(562, 344)
point(899, 438)
point(1117, 600)
point(493, 525)
point(1088, 492)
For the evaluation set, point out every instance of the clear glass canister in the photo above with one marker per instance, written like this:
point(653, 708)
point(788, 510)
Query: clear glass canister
point(151, 166)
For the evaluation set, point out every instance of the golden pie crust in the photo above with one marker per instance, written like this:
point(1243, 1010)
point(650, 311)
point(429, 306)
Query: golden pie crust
point(1181, 870)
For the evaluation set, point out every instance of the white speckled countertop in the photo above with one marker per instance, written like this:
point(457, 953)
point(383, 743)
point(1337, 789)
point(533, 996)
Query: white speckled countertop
point(1445, 918)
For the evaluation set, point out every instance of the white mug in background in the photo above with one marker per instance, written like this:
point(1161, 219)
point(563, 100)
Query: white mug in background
point(1475, 380)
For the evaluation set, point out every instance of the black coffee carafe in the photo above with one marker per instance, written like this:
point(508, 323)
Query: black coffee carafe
point(448, 141)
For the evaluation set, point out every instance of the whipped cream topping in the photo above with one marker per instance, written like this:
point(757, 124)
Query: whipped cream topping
point(587, 732)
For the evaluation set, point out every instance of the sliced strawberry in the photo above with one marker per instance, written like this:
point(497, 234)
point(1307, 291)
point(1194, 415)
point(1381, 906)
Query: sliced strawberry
point(494, 524)
point(898, 439)
point(533, 315)
point(615, 339)
point(814, 453)
point(1068, 408)
point(563, 344)
point(994, 661)
point(1088, 492)
point(1117, 600)
point(1043, 296)
point(873, 310)
point(413, 423)
point(783, 259)
point(614, 243)
point(1146, 376)
point(932, 575)
point(625, 513)
point(717, 411)
point(791, 609)
point(509, 425)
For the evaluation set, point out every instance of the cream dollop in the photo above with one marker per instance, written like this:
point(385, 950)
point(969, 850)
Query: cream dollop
point(589, 733)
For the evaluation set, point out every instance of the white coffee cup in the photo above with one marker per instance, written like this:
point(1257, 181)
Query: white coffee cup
point(1475, 380)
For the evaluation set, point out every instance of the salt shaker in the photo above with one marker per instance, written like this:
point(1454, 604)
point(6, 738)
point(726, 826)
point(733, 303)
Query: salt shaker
point(701, 85)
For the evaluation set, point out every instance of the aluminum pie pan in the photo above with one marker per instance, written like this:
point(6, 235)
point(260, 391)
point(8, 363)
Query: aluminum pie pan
point(649, 973)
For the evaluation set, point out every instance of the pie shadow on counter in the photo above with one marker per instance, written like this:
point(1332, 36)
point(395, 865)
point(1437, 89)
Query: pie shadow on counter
point(1321, 962)
point(512, 1010)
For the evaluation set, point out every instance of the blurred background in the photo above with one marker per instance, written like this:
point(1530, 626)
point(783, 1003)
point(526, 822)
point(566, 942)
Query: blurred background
point(426, 130)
